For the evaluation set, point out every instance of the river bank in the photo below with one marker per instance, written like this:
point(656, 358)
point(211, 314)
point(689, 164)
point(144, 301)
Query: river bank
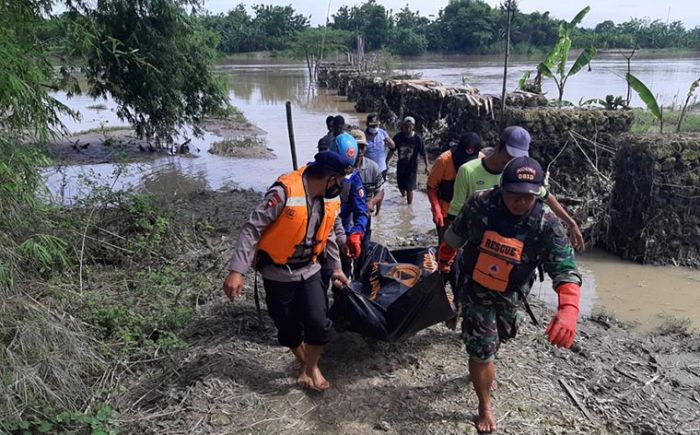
point(155, 343)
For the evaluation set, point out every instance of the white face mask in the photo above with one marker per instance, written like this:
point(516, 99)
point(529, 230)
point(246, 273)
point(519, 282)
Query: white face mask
point(373, 130)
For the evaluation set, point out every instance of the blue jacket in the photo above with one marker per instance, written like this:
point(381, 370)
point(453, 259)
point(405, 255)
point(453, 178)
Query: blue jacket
point(353, 209)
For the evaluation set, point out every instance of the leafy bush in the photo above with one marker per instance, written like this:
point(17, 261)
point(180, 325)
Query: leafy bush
point(52, 421)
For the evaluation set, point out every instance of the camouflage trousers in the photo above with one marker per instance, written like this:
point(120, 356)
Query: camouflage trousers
point(489, 318)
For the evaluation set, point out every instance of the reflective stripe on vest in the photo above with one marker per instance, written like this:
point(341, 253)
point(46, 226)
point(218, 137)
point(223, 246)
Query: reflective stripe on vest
point(282, 237)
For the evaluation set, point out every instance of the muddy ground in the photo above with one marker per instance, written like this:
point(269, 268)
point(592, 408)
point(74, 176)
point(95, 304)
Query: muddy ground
point(120, 144)
point(235, 379)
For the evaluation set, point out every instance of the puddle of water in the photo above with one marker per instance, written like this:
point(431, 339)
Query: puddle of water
point(643, 295)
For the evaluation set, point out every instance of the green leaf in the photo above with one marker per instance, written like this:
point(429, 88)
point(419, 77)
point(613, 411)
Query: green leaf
point(544, 70)
point(523, 80)
point(564, 56)
point(45, 426)
point(591, 101)
point(579, 17)
point(645, 94)
point(583, 59)
point(555, 54)
point(693, 87)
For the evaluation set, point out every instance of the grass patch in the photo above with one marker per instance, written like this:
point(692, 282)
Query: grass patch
point(674, 325)
point(65, 324)
point(52, 421)
point(104, 130)
point(645, 122)
point(242, 147)
point(235, 115)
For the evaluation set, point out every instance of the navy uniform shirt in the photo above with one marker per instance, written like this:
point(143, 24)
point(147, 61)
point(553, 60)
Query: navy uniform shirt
point(353, 208)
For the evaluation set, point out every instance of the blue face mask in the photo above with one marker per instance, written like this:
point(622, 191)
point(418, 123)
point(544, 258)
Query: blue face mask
point(373, 130)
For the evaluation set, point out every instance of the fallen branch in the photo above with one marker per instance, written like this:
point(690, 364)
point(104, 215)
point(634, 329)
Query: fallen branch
point(576, 400)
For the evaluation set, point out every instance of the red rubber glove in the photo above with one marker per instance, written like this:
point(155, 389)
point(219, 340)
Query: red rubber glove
point(562, 329)
point(446, 256)
point(435, 208)
point(354, 245)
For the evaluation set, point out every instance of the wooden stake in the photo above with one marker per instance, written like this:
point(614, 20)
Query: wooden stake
point(290, 129)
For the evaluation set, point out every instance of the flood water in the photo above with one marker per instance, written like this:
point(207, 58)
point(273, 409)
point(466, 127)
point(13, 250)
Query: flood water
point(667, 78)
point(260, 88)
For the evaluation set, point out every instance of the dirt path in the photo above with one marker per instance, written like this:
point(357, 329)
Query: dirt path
point(235, 379)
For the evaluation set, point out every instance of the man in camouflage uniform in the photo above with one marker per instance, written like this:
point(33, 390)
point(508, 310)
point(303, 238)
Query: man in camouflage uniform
point(506, 233)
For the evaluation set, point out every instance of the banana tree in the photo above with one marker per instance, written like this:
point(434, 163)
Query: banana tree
point(691, 92)
point(648, 99)
point(559, 55)
point(561, 76)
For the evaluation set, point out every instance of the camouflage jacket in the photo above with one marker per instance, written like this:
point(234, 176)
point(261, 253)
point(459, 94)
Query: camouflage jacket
point(551, 246)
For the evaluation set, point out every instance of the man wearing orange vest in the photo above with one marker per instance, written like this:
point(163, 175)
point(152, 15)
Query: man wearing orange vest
point(441, 179)
point(284, 237)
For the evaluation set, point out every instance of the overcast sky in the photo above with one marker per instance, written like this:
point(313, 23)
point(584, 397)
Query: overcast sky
point(687, 11)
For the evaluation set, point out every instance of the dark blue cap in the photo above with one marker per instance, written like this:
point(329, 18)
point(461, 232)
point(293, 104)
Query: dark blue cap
point(516, 140)
point(522, 175)
point(334, 162)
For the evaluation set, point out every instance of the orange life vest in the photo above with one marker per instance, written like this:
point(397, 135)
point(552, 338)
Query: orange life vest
point(505, 259)
point(497, 257)
point(282, 237)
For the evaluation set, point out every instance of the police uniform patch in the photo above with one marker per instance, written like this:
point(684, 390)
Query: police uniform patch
point(361, 193)
point(273, 200)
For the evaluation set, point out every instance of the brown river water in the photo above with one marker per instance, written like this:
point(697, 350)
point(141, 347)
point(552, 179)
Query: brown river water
point(643, 295)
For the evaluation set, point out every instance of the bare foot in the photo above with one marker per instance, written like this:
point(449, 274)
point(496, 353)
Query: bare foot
point(300, 354)
point(304, 380)
point(319, 382)
point(485, 422)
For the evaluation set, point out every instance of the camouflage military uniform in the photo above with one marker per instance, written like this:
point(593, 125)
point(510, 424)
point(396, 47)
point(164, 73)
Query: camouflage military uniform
point(491, 317)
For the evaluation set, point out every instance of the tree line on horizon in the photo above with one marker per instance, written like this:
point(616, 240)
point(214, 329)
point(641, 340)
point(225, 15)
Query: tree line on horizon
point(462, 26)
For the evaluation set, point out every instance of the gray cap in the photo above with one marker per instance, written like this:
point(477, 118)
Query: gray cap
point(410, 119)
point(517, 141)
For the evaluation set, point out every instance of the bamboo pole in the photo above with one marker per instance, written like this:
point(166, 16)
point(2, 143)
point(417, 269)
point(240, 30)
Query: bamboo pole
point(290, 129)
point(509, 15)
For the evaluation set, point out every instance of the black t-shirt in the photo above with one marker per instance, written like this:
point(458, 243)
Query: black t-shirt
point(408, 150)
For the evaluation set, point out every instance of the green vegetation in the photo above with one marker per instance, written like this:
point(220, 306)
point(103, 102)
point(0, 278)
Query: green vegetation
point(82, 288)
point(648, 98)
point(646, 122)
point(313, 44)
point(51, 421)
point(465, 26)
point(559, 56)
point(691, 92)
point(103, 130)
point(242, 147)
